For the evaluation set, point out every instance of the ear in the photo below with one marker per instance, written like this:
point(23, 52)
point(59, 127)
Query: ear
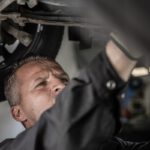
point(18, 114)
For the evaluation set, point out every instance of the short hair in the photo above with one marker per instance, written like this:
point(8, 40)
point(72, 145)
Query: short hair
point(11, 90)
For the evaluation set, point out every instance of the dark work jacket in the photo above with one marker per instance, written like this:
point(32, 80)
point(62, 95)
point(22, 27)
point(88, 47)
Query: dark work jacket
point(84, 117)
point(119, 144)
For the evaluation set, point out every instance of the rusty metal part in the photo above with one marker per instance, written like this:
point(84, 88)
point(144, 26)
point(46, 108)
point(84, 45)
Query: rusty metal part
point(17, 18)
point(24, 37)
point(58, 23)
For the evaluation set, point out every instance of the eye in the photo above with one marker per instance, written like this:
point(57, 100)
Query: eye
point(41, 84)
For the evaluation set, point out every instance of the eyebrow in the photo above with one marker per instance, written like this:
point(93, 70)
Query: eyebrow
point(42, 77)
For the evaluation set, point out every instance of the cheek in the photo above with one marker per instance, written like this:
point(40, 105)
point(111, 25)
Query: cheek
point(40, 103)
point(36, 102)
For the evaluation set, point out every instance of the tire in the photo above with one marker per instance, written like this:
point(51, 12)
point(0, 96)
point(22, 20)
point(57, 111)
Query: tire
point(46, 41)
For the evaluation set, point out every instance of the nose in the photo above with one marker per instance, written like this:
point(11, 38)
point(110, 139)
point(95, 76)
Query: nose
point(57, 89)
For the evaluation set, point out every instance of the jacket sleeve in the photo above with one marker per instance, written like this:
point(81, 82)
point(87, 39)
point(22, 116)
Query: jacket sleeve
point(119, 144)
point(84, 116)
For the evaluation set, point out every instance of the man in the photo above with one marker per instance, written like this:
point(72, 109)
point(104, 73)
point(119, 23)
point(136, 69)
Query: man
point(32, 88)
point(83, 111)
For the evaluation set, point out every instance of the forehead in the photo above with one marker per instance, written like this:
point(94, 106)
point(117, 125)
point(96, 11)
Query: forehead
point(31, 70)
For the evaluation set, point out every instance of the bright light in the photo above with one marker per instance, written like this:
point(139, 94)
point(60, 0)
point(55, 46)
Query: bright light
point(140, 71)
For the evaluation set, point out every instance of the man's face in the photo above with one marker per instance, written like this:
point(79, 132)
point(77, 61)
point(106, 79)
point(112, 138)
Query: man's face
point(38, 89)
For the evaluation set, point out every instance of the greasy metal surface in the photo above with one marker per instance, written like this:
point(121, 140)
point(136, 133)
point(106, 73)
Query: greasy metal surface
point(5, 3)
point(79, 22)
point(23, 37)
point(32, 3)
